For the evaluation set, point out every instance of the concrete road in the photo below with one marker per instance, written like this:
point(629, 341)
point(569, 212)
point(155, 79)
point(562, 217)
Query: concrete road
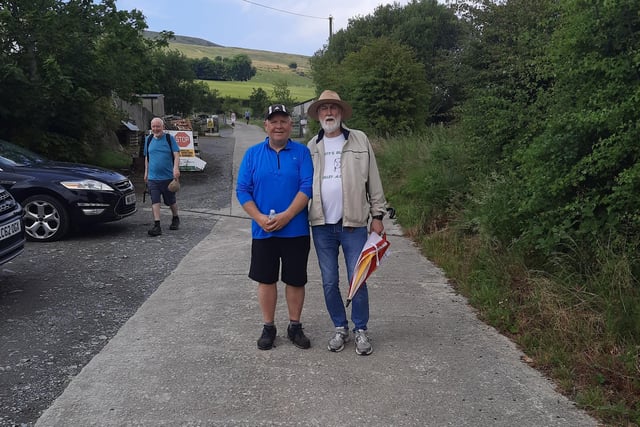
point(188, 356)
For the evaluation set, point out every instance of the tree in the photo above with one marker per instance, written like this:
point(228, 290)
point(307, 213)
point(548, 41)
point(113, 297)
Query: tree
point(509, 82)
point(258, 101)
point(553, 97)
point(207, 99)
point(582, 170)
point(235, 68)
point(63, 60)
point(508, 76)
point(239, 68)
point(386, 88)
point(282, 94)
point(206, 69)
point(174, 77)
point(431, 30)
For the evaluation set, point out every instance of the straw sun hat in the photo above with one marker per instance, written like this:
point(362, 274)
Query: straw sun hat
point(329, 97)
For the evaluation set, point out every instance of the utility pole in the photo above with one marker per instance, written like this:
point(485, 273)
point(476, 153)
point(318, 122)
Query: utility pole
point(330, 27)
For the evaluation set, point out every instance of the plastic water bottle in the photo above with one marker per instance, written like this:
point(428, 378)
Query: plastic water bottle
point(272, 214)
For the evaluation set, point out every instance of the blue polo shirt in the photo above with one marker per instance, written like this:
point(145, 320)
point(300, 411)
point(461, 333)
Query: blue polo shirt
point(272, 180)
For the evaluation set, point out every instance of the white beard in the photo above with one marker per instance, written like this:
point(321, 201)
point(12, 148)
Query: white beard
point(331, 126)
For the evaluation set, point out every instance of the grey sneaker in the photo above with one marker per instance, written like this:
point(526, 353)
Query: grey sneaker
point(337, 342)
point(363, 346)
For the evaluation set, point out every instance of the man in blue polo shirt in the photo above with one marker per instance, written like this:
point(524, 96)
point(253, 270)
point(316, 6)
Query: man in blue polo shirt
point(274, 186)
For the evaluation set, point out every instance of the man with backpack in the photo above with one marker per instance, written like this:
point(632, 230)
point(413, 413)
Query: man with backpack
point(161, 167)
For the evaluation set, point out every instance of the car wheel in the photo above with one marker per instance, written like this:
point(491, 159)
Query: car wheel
point(45, 218)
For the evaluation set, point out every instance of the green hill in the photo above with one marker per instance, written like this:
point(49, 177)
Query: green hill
point(271, 67)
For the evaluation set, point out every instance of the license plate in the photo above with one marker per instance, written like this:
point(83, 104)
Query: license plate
point(10, 229)
point(130, 199)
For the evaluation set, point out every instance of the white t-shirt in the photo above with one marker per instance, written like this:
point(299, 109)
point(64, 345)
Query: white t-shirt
point(331, 185)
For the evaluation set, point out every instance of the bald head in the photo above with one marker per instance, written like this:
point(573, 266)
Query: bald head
point(157, 126)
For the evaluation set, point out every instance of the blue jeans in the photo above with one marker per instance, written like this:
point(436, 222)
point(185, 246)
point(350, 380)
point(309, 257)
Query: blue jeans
point(327, 239)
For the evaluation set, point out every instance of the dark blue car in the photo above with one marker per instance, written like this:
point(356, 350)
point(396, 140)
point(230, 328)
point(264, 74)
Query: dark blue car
point(57, 195)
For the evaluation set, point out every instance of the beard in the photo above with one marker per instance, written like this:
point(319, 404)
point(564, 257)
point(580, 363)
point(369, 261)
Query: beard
point(330, 126)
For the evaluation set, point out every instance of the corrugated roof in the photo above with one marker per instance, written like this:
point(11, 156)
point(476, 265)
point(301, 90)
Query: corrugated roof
point(131, 126)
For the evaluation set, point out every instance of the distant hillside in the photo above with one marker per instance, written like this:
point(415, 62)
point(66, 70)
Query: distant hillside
point(194, 47)
point(271, 66)
point(183, 39)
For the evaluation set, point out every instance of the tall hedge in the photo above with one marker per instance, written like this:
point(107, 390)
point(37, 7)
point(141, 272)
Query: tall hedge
point(554, 118)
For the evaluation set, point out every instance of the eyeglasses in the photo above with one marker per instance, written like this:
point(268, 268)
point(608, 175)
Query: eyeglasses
point(327, 107)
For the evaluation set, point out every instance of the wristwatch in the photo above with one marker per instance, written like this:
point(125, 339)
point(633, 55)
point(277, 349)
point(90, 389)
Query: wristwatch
point(378, 217)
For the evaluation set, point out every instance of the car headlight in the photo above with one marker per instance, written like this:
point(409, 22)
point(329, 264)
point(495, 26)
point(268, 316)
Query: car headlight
point(87, 184)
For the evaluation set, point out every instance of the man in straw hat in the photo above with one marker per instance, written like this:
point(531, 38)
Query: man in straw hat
point(347, 192)
point(274, 187)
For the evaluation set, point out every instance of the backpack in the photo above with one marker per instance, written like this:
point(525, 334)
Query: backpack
point(168, 138)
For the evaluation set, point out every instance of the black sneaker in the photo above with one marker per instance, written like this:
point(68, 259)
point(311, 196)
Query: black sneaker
point(297, 337)
point(175, 223)
point(265, 342)
point(155, 231)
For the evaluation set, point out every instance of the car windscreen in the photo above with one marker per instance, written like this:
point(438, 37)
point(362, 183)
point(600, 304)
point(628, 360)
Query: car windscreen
point(19, 156)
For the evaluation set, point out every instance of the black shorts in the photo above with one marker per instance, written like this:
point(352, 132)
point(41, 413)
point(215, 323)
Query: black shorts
point(266, 255)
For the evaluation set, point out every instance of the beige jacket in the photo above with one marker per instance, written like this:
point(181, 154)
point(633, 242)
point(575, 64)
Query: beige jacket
point(362, 193)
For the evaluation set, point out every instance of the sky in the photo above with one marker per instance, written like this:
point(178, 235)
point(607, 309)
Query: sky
point(287, 26)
